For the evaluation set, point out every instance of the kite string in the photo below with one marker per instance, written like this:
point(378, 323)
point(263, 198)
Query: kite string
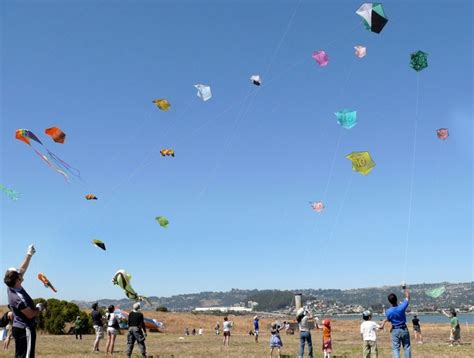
point(412, 179)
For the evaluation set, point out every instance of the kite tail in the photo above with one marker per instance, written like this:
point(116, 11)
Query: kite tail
point(51, 165)
point(62, 164)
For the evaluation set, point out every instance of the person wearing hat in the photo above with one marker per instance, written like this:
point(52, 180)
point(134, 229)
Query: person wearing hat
point(302, 317)
point(78, 327)
point(255, 328)
point(396, 316)
point(136, 330)
point(23, 308)
point(368, 330)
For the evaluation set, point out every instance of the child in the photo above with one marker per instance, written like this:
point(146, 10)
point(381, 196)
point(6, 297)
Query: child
point(367, 330)
point(275, 340)
point(327, 345)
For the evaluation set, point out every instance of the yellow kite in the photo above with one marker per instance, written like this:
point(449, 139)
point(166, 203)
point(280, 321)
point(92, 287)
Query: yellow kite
point(361, 162)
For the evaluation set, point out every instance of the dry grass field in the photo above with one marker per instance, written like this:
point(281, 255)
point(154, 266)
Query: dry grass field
point(346, 341)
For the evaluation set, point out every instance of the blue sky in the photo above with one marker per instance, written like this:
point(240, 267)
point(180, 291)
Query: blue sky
point(247, 161)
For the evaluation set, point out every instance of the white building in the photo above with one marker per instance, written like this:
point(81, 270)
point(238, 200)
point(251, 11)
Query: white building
point(223, 309)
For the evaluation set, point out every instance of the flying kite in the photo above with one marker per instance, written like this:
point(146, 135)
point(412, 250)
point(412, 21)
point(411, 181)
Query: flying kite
point(91, 197)
point(162, 221)
point(12, 194)
point(360, 51)
point(204, 92)
point(53, 161)
point(346, 118)
point(361, 162)
point(373, 16)
point(321, 58)
point(99, 244)
point(442, 133)
point(162, 104)
point(419, 60)
point(167, 152)
point(317, 206)
point(256, 80)
point(45, 281)
point(122, 279)
point(57, 134)
point(436, 292)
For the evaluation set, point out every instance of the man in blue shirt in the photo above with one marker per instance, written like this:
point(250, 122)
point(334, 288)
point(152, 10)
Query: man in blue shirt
point(396, 316)
point(255, 327)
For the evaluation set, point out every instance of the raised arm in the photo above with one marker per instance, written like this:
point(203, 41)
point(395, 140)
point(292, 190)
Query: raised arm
point(26, 261)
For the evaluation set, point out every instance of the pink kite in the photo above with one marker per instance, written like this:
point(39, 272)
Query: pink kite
point(321, 58)
point(360, 51)
point(442, 133)
point(317, 206)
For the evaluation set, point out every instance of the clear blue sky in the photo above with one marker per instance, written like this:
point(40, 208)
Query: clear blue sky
point(237, 192)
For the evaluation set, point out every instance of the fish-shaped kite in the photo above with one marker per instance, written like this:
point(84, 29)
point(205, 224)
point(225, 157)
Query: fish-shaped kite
point(46, 282)
point(123, 279)
point(57, 134)
point(167, 152)
point(162, 104)
point(99, 244)
point(91, 197)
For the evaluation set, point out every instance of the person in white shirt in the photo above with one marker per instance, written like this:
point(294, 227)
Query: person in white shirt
point(200, 331)
point(226, 326)
point(367, 330)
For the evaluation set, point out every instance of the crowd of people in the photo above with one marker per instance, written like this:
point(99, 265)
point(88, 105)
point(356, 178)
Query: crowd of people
point(20, 324)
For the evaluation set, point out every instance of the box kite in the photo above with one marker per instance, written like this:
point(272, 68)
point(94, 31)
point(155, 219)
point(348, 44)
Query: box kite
point(321, 58)
point(57, 134)
point(442, 133)
point(360, 51)
point(46, 282)
point(256, 80)
point(346, 118)
point(99, 244)
point(373, 16)
point(317, 206)
point(162, 221)
point(123, 279)
point(162, 104)
point(361, 162)
point(419, 60)
point(204, 92)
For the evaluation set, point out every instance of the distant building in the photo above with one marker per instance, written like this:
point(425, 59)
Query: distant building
point(223, 309)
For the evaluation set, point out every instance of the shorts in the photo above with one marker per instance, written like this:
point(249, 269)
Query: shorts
point(226, 333)
point(255, 332)
point(112, 331)
point(99, 332)
point(327, 345)
point(417, 329)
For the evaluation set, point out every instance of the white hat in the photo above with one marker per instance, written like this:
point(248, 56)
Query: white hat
point(136, 306)
point(256, 317)
point(300, 312)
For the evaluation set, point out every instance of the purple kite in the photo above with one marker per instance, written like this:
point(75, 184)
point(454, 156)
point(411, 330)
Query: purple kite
point(321, 58)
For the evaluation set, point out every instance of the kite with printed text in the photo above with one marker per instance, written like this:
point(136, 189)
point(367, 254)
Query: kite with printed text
point(361, 162)
point(53, 161)
point(346, 118)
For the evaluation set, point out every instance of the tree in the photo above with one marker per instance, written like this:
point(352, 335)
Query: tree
point(162, 309)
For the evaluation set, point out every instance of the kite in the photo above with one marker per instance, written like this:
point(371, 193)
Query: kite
point(162, 221)
point(99, 244)
point(361, 162)
point(321, 58)
point(162, 104)
point(45, 281)
point(204, 92)
point(91, 197)
point(373, 16)
point(419, 60)
point(360, 51)
point(442, 133)
point(317, 206)
point(53, 161)
point(12, 194)
point(256, 80)
point(167, 152)
point(122, 279)
point(436, 292)
point(346, 118)
point(57, 134)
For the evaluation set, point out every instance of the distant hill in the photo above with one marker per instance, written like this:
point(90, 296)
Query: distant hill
point(459, 295)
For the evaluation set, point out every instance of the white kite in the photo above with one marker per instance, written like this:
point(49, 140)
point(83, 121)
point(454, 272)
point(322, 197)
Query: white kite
point(204, 92)
point(360, 51)
point(256, 80)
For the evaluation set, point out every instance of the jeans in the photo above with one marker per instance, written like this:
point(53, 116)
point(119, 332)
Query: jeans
point(401, 336)
point(135, 334)
point(305, 336)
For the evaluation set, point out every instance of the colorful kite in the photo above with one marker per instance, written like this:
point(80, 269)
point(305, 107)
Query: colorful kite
point(321, 58)
point(45, 281)
point(442, 133)
point(360, 51)
point(204, 92)
point(256, 80)
point(317, 206)
point(162, 104)
point(53, 161)
point(361, 162)
point(167, 152)
point(12, 194)
point(91, 197)
point(162, 221)
point(122, 279)
point(346, 118)
point(436, 292)
point(99, 244)
point(373, 16)
point(419, 60)
point(57, 134)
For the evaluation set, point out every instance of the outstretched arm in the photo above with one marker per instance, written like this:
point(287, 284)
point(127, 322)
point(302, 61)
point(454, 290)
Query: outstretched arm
point(26, 261)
